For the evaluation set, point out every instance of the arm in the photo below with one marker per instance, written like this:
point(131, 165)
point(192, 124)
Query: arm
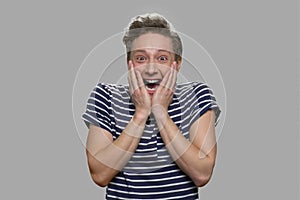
point(196, 157)
point(107, 157)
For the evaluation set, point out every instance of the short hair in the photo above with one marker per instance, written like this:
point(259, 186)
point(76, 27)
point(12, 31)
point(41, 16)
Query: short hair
point(152, 23)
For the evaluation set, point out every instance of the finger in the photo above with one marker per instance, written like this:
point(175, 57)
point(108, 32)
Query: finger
point(130, 85)
point(134, 83)
point(165, 79)
point(130, 64)
point(129, 76)
point(174, 77)
point(174, 65)
point(169, 81)
point(139, 79)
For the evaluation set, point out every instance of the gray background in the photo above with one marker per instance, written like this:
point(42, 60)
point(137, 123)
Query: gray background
point(254, 43)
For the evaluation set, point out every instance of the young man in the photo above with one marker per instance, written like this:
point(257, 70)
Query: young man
point(152, 138)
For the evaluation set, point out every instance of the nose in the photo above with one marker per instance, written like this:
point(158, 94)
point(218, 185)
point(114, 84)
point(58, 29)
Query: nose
point(151, 69)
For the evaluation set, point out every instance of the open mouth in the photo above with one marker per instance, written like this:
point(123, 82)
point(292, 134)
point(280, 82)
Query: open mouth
point(151, 84)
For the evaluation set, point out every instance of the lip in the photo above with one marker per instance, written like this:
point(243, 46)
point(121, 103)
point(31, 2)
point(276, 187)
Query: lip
point(151, 90)
point(153, 81)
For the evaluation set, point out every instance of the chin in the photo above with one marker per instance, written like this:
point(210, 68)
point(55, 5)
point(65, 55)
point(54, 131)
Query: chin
point(151, 94)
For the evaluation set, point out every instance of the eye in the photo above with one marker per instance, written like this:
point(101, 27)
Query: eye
point(140, 59)
point(163, 58)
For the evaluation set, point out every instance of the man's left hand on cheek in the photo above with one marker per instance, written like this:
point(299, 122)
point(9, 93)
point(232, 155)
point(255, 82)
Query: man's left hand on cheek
point(164, 94)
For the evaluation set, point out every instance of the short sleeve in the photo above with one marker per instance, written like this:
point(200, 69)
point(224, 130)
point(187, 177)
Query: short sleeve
point(98, 108)
point(204, 101)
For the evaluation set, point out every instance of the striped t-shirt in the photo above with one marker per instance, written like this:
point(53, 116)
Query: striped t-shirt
point(150, 173)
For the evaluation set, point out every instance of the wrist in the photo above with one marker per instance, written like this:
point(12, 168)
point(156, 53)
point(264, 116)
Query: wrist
point(135, 127)
point(161, 116)
point(159, 112)
point(139, 118)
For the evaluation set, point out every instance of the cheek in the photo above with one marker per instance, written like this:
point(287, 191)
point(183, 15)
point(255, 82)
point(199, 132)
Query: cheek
point(164, 73)
point(164, 69)
point(139, 68)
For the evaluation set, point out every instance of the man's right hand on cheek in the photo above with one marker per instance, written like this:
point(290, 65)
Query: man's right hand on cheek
point(138, 92)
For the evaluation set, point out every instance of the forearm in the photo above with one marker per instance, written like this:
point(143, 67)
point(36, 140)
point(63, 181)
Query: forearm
point(194, 161)
point(107, 162)
point(116, 155)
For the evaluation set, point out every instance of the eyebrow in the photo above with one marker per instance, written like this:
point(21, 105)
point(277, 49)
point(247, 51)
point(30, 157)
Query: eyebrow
point(144, 51)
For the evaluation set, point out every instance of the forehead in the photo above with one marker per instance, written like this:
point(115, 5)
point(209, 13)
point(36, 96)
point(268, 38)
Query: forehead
point(152, 41)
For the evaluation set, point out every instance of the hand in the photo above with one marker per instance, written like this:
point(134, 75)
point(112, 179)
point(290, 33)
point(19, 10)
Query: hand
point(138, 92)
point(164, 94)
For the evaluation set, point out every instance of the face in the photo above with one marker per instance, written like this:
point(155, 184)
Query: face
point(152, 55)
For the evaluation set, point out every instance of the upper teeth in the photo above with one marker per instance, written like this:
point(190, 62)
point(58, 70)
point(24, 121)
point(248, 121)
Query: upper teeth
point(151, 81)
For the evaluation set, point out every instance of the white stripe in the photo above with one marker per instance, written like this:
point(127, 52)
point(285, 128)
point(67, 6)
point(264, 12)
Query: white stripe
point(121, 107)
point(96, 121)
point(152, 186)
point(126, 109)
point(162, 149)
point(116, 95)
point(165, 157)
point(94, 99)
point(112, 196)
point(155, 180)
point(151, 173)
point(182, 197)
point(143, 156)
point(102, 89)
point(146, 162)
point(149, 143)
point(151, 193)
point(143, 150)
point(146, 167)
point(94, 111)
point(123, 101)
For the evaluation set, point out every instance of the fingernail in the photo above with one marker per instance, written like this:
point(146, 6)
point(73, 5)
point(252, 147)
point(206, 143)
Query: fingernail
point(130, 63)
point(174, 65)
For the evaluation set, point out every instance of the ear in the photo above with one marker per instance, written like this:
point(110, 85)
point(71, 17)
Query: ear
point(178, 64)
